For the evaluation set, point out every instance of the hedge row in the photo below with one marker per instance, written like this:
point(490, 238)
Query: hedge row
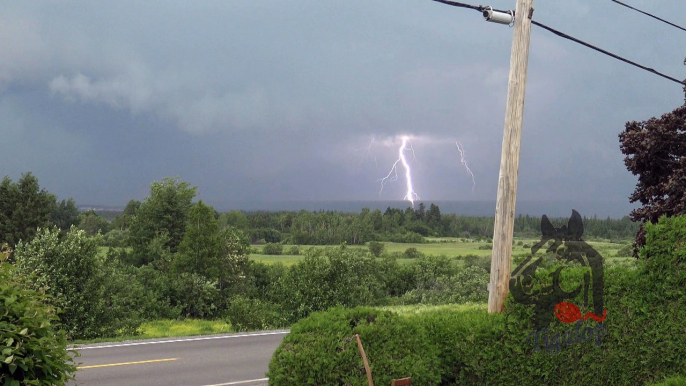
point(322, 350)
point(644, 340)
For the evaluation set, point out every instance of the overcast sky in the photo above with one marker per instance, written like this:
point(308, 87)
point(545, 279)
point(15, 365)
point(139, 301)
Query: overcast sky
point(308, 99)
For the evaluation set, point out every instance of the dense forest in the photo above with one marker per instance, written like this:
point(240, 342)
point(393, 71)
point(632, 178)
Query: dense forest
point(411, 225)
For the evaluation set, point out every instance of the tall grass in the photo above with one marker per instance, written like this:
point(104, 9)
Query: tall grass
point(167, 328)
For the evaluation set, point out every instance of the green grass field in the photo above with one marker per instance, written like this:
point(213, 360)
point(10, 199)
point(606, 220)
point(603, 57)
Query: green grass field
point(452, 247)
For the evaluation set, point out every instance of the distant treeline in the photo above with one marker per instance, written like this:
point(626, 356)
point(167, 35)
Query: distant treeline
point(411, 225)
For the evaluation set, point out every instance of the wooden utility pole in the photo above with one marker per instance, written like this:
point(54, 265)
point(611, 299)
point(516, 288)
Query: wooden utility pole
point(509, 160)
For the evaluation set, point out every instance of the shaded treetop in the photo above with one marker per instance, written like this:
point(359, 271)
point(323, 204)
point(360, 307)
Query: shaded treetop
point(656, 152)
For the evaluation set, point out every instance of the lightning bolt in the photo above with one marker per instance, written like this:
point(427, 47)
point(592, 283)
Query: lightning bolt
point(464, 162)
point(369, 150)
point(393, 173)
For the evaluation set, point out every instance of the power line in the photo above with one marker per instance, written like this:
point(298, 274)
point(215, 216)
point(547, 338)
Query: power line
point(481, 8)
point(561, 34)
point(461, 5)
point(653, 16)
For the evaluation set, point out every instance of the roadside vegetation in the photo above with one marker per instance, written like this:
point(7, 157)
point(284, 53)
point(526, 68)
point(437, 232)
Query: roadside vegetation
point(170, 257)
point(455, 345)
point(169, 328)
point(173, 266)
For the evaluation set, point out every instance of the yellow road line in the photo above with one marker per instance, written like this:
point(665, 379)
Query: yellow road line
point(127, 363)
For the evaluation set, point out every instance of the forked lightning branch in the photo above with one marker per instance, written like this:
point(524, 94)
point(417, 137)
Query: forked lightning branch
point(393, 175)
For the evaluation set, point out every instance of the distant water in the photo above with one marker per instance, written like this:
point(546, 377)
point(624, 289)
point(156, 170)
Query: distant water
point(601, 209)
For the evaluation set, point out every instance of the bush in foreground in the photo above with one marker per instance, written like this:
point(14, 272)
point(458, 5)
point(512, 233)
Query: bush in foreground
point(643, 343)
point(677, 381)
point(33, 350)
point(95, 299)
point(322, 350)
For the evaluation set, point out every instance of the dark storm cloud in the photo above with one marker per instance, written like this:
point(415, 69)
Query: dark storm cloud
point(270, 101)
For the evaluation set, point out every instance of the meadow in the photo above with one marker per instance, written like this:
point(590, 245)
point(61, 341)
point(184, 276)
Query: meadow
point(456, 248)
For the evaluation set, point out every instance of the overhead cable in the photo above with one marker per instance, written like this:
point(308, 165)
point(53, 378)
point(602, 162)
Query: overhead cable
point(561, 34)
point(481, 8)
point(648, 14)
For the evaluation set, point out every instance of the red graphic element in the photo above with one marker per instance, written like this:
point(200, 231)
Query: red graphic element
point(570, 313)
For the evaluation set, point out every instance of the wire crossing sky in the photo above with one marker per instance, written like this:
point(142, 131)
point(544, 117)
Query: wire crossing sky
point(563, 35)
point(653, 16)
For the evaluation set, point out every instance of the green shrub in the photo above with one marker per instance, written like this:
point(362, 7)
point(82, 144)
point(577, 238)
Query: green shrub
point(466, 286)
point(81, 285)
point(459, 337)
point(293, 250)
point(429, 268)
point(412, 253)
point(626, 251)
point(397, 278)
point(676, 381)
point(115, 238)
point(407, 237)
point(478, 261)
point(322, 350)
point(194, 296)
point(486, 247)
point(33, 348)
point(272, 249)
point(344, 276)
point(247, 314)
point(376, 248)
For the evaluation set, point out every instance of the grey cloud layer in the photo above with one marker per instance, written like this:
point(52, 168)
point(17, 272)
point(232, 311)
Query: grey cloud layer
point(256, 100)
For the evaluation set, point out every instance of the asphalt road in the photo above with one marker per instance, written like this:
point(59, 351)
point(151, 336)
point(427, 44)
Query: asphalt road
point(232, 359)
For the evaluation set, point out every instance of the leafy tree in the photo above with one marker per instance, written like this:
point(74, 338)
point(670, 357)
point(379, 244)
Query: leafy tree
point(71, 272)
point(124, 221)
point(132, 207)
point(233, 257)
point(376, 248)
point(656, 152)
point(430, 267)
point(68, 270)
point(421, 212)
point(343, 277)
point(91, 223)
point(433, 216)
point(164, 212)
point(235, 218)
point(199, 251)
point(195, 296)
point(24, 207)
point(65, 214)
point(33, 347)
